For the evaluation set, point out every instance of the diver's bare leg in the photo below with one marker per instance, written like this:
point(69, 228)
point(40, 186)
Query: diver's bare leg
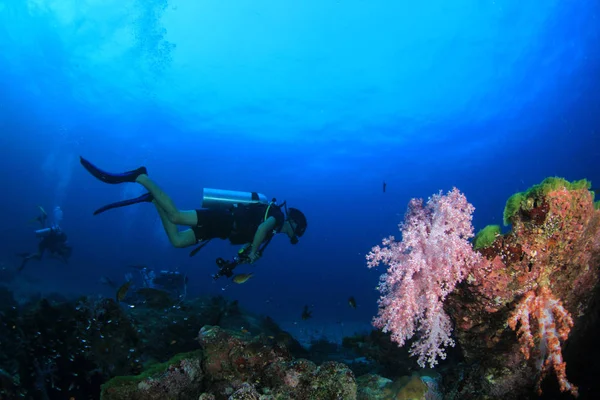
point(174, 215)
point(177, 238)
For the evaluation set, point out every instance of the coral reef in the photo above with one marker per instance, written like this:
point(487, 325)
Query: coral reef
point(236, 366)
point(53, 348)
point(543, 270)
point(232, 366)
point(179, 378)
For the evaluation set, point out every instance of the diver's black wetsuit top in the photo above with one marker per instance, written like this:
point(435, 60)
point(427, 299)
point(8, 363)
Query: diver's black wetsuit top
point(55, 243)
point(238, 224)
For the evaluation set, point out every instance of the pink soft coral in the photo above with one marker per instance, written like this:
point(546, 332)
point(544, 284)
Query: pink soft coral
point(433, 256)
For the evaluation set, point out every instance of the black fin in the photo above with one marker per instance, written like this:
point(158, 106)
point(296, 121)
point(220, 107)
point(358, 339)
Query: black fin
point(145, 198)
point(108, 177)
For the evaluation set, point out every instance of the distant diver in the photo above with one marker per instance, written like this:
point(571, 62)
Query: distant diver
point(171, 282)
point(384, 186)
point(52, 239)
point(306, 313)
point(352, 302)
point(242, 217)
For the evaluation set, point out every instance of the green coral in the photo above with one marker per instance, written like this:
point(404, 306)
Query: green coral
point(513, 205)
point(527, 200)
point(486, 236)
point(597, 205)
point(554, 183)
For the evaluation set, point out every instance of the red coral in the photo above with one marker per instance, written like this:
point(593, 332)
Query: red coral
point(553, 325)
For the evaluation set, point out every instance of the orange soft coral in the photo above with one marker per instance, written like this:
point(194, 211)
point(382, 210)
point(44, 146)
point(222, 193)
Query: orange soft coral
point(553, 325)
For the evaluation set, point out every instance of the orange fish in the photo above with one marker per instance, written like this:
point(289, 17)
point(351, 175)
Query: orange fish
point(122, 291)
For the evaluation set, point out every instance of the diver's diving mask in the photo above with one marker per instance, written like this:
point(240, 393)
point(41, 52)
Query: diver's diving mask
point(294, 239)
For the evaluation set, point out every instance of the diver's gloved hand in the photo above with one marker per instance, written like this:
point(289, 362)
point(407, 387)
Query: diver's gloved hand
point(245, 249)
point(242, 255)
point(253, 257)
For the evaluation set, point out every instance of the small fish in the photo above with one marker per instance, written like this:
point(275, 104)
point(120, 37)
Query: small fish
point(241, 278)
point(306, 313)
point(122, 291)
point(352, 302)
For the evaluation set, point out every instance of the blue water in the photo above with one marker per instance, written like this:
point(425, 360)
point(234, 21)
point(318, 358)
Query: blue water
point(316, 102)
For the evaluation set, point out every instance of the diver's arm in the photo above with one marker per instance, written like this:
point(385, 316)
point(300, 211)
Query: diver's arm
point(261, 234)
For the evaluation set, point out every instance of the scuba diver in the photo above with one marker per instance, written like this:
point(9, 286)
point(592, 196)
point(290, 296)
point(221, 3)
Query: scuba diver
point(172, 282)
point(242, 217)
point(53, 240)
